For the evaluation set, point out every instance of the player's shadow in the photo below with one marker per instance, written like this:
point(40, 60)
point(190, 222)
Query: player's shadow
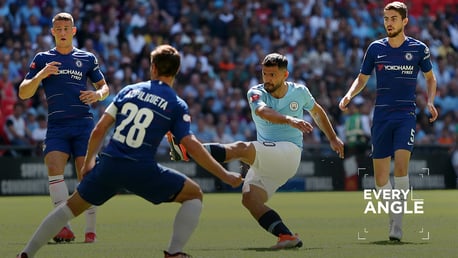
point(267, 249)
point(68, 243)
point(389, 242)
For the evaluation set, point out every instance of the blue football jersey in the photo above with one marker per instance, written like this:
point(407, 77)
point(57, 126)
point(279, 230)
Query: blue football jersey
point(297, 99)
point(63, 90)
point(144, 112)
point(396, 72)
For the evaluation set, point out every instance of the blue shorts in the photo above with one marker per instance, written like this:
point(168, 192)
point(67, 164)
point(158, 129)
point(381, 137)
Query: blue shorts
point(69, 139)
point(151, 181)
point(391, 135)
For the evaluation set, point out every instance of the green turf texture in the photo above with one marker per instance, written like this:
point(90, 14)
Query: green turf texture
point(327, 222)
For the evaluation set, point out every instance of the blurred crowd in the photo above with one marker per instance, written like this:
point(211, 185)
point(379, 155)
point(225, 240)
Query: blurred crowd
point(223, 43)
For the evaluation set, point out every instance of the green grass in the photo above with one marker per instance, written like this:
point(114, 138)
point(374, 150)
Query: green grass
point(328, 223)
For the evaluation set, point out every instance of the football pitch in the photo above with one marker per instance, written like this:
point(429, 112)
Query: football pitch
point(331, 224)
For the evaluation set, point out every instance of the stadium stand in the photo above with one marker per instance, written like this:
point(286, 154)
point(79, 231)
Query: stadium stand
point(222, 43)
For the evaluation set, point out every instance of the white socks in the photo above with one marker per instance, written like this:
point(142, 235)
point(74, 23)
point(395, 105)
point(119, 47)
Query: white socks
point(58, 191)
point(401, 182)
point(185, 223)
point(91, 219)
point(48, 228)
point(383, 187)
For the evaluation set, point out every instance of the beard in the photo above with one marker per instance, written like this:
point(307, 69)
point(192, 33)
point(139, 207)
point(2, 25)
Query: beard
point(394, 33)
point(269, 87)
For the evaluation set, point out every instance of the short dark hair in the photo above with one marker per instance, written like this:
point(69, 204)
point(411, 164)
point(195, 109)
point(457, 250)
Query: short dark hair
point(63, 17)
point(275, 59)
point(166, 59)
point(399, 7)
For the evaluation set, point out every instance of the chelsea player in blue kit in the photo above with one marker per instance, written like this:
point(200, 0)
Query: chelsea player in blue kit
point(397, 60)
point(63, 72)
point(277, 107)
point(141, 114)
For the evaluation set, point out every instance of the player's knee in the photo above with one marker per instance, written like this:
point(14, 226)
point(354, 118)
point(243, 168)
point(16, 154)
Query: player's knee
point(381, 180)
point(241, 146)
point(237, 149)
point(54, 170)
point(248, 201)
point(191, 190)
point(194, 191)
point(198, 195)
point(400, 172)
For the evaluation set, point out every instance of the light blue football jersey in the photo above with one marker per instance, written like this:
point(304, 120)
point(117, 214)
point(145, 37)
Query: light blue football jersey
point(297, 99)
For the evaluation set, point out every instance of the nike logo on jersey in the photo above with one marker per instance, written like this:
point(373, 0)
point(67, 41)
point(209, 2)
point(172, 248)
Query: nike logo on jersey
point(380, 56)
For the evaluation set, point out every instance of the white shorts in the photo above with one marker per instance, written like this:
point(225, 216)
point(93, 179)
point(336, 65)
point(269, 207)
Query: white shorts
point(275, 163)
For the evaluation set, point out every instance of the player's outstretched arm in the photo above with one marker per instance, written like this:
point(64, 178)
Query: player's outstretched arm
point(200, 155)
point(431, 85)
point(356, 87)
point(321, 119)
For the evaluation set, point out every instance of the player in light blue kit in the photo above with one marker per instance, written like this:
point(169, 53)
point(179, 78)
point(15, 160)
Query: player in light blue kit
point(277, 108)
point(397, 60)
point(141, 114)
point(63, 72)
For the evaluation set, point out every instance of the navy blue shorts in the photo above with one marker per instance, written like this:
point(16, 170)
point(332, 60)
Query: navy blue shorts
point(151, 181)
point(69, 139)
point(391, 135)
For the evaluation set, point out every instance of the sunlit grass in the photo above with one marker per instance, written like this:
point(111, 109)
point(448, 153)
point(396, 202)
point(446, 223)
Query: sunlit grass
point(329, 224)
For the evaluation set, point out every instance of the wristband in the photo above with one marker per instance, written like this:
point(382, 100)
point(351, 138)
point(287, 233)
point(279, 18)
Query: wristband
point(101, 95)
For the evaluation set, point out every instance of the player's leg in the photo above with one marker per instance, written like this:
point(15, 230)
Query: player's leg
point(167, 185)
point(401, 168)
point(90, 214)
point(98, 186)
point(58, 190)
point(186, 219)
point(401, 182)
point(382, 169)
point(254, 199)
point(383, 146)
point(54, 222)
point(79, 147)
point(382, 180)
point(404, 136)
point(382, 143)
point(243, 151)
point(261, 182)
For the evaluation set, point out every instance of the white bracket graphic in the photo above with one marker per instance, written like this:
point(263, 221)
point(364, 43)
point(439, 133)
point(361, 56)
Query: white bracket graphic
point(362, 169)
point(427, 172)
point(411, 195)
point(365, 232)
point(427, 234)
